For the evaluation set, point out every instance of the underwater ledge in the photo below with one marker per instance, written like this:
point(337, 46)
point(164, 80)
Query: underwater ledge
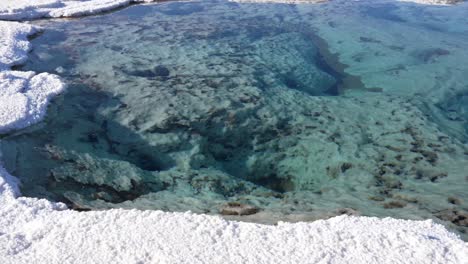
point(31, 226)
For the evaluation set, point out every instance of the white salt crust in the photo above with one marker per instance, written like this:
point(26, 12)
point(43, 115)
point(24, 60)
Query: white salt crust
point(38, 231)
point(23, 95)
point(434, 2)
point(424, 2)
point(31, 9)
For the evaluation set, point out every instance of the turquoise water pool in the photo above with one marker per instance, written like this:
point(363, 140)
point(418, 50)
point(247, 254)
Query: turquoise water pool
point(296, 112)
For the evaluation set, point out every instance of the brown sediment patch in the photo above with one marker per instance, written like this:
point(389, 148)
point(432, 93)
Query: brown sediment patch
point(457, 217)
point(394, 204)
point(235, 208)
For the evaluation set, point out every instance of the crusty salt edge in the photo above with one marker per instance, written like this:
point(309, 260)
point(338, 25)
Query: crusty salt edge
point(425, 2)
point(30, 9)
point(24, 96)
point(33, 9)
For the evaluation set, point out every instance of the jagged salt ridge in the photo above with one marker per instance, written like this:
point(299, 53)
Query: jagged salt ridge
point(434, 2)
point(23, 95)
point(47, 235)
point(14, 45)
point(281, 1)
point(38, 231)
point(32, 9)
point(425, 2)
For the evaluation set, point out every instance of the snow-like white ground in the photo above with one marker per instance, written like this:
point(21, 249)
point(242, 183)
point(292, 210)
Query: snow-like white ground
point(30, 9)
point(281, 1)
point(23, 95)
point(38, 231)
point(425, 2)
point(434, 2)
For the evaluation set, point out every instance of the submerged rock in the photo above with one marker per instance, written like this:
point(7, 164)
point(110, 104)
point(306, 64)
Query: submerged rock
point(431, 55)
point(458, 217)
point(346, 211)
point(235, 208)
point(158, 71)
point(161, 71)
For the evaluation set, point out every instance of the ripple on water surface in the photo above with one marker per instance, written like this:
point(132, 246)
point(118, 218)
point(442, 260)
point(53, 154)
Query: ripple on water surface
point(292, 112)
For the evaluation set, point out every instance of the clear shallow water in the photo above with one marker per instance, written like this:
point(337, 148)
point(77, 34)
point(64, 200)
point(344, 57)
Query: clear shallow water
point(302, 111)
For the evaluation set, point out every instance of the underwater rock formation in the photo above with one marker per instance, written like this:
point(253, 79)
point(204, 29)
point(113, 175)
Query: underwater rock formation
point(233, 208)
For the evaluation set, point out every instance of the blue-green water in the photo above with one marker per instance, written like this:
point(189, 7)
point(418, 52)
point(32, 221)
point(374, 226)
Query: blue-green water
point(301, 111)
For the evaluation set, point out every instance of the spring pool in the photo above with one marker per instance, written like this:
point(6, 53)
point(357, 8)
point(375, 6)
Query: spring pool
point(272, 111)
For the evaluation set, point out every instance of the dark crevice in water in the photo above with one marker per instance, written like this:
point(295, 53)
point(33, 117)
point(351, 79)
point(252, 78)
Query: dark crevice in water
point(330, 63)
point(383, 11)
point(94, 192)
point(59, 158)
point(181, 9)
point(277, 184)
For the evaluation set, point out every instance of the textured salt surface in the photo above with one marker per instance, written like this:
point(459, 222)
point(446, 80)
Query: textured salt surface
point(435, 2)
point(37, 231)
point(14, 45)
point(32, 9)
point(426, 2)
point(281, 1)
point(23, 95)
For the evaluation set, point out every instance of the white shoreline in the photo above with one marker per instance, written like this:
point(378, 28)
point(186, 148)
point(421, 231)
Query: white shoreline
point(34, 9)
point(38, 231)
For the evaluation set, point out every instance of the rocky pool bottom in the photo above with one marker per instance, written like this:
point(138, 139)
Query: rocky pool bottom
point(242, 116)
point(318, 165)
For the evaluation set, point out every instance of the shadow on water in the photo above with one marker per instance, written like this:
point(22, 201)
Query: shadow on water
point(330, 62)
point(72, 134)
point(383, 11)
point(181, 9)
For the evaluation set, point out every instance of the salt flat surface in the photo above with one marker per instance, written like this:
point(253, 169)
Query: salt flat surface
point(38, 231)
point(281, 1)
point(425, 2)
point(24, 95)
point(32, 9)
point(42, 234)
point(434, 2)
point(14, 45)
